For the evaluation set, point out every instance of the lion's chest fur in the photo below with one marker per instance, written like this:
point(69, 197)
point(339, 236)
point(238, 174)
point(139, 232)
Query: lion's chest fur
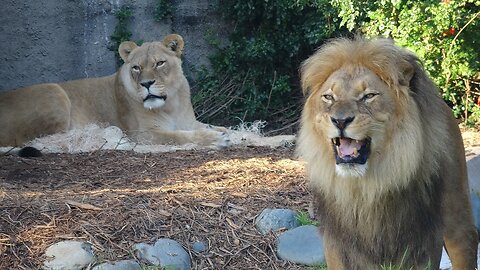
point(385, 230)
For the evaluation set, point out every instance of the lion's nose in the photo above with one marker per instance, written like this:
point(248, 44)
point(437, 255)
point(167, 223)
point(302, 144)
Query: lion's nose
point(147, 84)
point(341, 124)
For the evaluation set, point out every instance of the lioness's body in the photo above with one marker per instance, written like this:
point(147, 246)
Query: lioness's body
point(402, 192)
point(44, 109)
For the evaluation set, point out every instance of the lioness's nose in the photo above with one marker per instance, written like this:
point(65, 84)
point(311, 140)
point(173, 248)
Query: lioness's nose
point(147, 84)
point(341, 124)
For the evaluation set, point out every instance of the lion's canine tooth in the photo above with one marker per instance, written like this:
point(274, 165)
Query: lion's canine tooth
point(355, 152)
point(336, 141)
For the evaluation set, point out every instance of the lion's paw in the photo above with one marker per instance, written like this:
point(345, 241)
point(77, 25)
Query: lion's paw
point(218, 128)
point(212, 137)
point(223, 140)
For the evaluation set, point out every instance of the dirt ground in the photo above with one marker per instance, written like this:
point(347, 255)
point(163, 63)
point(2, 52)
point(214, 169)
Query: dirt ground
point(114, 199)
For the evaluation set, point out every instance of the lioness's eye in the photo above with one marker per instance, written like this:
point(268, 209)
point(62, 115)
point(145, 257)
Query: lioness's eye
point(160, 63)
point(328, 97)
point(136, 68)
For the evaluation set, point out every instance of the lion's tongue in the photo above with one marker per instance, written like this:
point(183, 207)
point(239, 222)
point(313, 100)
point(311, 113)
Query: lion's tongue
point(348, 147)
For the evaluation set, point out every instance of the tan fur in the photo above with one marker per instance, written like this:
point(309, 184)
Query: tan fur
point(118, 100)
point(416, 160)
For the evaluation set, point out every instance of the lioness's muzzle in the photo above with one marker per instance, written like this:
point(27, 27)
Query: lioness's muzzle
point(151, 96)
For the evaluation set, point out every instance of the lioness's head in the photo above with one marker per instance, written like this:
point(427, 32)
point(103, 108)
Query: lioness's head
point(358, 100)
point(152, 71)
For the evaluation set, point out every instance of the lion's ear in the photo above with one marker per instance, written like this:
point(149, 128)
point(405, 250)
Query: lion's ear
point(175, 43)
point(407, 70)
point(125, 49)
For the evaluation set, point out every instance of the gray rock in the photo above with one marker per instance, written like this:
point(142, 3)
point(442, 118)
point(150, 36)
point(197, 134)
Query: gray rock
point(199, 247)
point(473, 168)
point(118, 265)
point(275, 219)
point(301, 245)
point(475, 197)
point(165, 253)
point(68, 255)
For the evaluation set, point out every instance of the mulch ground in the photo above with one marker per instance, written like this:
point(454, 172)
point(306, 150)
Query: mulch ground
point(115, 199)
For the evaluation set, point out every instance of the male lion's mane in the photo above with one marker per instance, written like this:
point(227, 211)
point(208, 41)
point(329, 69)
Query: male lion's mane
point(413, 147)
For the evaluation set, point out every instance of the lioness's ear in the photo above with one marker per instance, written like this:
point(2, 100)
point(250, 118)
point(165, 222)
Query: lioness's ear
point(125, 49)
point(175, 43)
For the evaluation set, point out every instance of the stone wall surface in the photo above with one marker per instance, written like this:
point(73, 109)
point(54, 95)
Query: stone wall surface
point(52, 41)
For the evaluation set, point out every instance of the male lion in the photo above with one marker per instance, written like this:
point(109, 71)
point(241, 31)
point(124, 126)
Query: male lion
point(385, 160)
point(148, 98)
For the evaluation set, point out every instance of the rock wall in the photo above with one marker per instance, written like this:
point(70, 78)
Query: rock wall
point(52, 41)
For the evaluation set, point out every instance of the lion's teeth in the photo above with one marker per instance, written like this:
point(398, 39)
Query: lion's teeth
point(355, 152)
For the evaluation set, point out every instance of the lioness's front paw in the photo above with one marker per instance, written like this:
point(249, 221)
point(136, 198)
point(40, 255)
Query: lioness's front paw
point(224, 140)
point(212, 137)
point(218, 128)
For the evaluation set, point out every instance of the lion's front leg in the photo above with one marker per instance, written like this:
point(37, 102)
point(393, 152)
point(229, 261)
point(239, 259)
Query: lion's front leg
point(332, 255)
point(202, 137)
point(200, 125)
point(460, 235)
point(461, 243)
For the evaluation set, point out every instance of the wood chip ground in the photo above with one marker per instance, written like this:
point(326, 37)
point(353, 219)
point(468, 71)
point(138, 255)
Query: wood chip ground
point(114, 199)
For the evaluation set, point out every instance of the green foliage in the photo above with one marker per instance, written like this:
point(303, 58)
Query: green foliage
point(255, 75)
point(444, 34)
point(393, 267)
point(163, 10)
point(121, 32)
point(155, 268)
point(318, 267)
point(304, 219)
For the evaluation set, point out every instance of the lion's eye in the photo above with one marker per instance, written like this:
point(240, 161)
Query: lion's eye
point(328, 98)
point(136, 68)
point(160, 63)
point(369, 96)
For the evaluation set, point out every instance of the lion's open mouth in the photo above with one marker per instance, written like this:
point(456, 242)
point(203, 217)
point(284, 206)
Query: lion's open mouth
point(349, 150)
point(152, 96)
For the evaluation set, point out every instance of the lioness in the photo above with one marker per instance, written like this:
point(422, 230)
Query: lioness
point(148, 98)
point(385, 160)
